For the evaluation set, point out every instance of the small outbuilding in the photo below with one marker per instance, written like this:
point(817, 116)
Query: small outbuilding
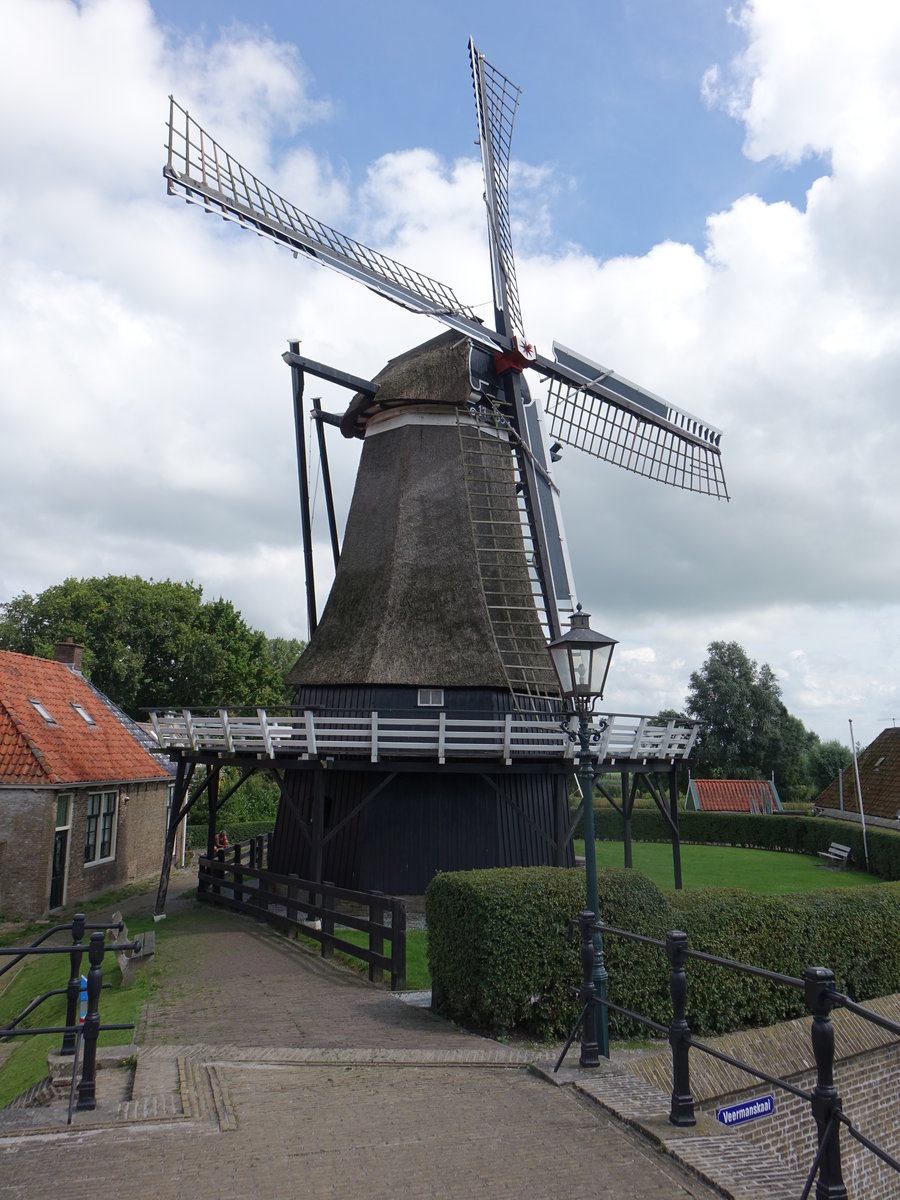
point(732, 795)
point(83, 800)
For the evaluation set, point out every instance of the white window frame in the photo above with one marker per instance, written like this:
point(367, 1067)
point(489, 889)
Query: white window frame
point(84, 714)
point(107, 805)
point(431, 698)
point(41, 711)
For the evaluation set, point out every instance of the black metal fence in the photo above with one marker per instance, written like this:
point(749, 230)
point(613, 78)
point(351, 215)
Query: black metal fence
point(236, 878)
point(821, 998)
point(75, 1032)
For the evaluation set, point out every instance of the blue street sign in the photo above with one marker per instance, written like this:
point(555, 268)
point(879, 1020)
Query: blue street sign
point(746, 1110)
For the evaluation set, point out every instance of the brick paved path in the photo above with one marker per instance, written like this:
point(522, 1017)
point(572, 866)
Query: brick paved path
point(264, 1072)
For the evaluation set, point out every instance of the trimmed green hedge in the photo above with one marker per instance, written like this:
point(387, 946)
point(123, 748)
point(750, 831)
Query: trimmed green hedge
point(789, 832)
point(501, 956)
point(501, 960)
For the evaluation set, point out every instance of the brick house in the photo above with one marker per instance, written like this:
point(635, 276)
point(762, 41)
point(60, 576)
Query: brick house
point(879, 779)
point(83, 800)
point(732, 795)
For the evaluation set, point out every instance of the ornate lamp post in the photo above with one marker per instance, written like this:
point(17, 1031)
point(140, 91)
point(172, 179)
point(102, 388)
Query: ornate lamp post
point(581, 658)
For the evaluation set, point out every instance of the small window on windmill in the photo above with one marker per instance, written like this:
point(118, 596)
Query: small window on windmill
point(431, 697)
point(878, 764)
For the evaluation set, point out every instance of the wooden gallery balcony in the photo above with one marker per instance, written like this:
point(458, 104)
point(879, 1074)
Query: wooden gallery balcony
point(624, 739)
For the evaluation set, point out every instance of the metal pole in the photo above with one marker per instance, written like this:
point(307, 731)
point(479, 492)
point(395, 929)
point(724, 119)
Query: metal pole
point(326, 481)
point(305, 521)
point(87, 1086)
point(862, 811)
point(73, 987)
point(590, 1051)
point(682, 1110)
point(826, 1103)
point(601, 977)
point(676, 836)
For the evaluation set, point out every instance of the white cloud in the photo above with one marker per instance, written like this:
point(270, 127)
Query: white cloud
point(142, 388)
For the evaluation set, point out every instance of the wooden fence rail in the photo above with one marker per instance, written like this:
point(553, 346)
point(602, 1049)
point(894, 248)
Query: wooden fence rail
point(236, 879)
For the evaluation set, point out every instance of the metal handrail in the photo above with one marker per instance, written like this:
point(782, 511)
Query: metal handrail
point(821, 997)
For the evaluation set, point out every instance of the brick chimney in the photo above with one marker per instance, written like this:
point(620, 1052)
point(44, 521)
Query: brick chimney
point(69, 652)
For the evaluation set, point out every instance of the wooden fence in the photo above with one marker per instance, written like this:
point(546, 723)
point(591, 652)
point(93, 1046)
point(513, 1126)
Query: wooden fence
point(236, 879)
point(372, 736)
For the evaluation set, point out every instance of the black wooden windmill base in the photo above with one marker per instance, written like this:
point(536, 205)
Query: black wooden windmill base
point(393, 829)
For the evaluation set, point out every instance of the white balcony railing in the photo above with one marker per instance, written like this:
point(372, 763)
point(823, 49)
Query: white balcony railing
point(622, 737)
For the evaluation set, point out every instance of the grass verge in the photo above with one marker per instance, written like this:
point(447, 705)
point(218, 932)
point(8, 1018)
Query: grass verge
point(768, 872)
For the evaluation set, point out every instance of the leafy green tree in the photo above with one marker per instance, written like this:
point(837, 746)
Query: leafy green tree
point(826, 761)
point(737, 706)
point(746, 730)
point(255, 800)
point(148, 643)
point(283, 654)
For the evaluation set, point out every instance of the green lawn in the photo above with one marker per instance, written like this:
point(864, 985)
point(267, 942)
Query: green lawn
point(767, 871)
point(43, 973)
point(418, 978)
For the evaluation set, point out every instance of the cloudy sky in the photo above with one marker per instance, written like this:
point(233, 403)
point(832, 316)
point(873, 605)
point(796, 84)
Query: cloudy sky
point(706, 199)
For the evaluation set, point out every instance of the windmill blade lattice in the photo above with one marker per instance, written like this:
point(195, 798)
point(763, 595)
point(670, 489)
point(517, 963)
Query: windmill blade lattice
point(204, 173)
point(496, 101)
point(610, 418)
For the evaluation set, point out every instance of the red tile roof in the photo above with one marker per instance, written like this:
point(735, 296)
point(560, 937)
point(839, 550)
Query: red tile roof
point(879, 778)
point(735, 795)
point(33, 751)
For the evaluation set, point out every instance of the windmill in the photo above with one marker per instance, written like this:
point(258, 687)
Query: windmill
point(454, 569)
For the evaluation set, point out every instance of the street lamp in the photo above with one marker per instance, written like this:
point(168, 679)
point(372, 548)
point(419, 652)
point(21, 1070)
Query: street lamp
point(581, 658)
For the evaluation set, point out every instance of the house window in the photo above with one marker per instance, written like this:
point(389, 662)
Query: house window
point(100, 830)
point(39, 708)
point(84, 714)
point(431, 697)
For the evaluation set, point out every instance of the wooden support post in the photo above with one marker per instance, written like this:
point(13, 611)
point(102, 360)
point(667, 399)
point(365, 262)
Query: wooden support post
point(676, 836)
point(626, 818)
point(376, 936)
point(398, 945)
point(171, 833)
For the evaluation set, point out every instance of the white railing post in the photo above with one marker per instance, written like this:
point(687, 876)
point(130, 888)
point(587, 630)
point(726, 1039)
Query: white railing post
point(310, 732)
point(226, 729)
point(267, 736)
point(507, 739)
point(374, 736)
point(442, 737)
point(189, 727)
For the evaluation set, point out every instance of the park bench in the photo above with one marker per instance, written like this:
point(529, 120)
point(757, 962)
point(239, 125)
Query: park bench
point(836, 854)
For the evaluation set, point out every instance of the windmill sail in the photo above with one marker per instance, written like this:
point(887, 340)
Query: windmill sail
point(204, 173)
point(496, 101)
point(607, 416)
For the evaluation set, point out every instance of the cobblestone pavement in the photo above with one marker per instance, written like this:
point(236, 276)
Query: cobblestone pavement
point(263, 1071)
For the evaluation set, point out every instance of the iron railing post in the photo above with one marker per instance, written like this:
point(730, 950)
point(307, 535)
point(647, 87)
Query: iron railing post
point(73, 987)
point(590, 1051)
point(826, 1103)
point(682, 1110)
point(91, 1029)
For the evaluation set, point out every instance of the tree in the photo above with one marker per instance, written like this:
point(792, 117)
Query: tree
point(283, 653)
point(826, 761)
point(737, 706)
point(149, 643)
